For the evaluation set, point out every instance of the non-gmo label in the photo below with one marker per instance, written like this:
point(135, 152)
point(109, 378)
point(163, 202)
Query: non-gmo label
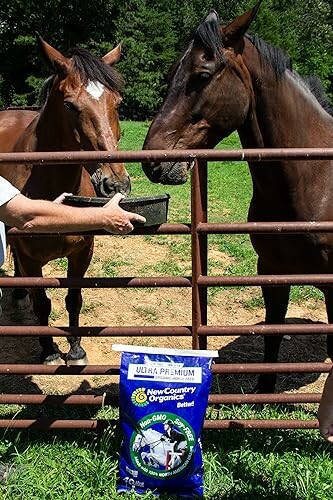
point(162, 446)
point(165, 372)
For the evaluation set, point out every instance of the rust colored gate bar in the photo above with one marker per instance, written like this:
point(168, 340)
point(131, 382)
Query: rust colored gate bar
point(225, 368)
point(98, 425)
point(199, 251)
point(70, 157)
point(113, 399)
point(199, 229)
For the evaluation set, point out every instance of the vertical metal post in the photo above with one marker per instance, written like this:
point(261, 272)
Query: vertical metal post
point(199, 251)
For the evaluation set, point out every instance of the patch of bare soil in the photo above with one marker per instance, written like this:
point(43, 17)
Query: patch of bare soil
point(136, 256)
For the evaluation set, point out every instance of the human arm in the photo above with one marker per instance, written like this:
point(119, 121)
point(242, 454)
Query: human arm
point(325, 412)
point(45, 216)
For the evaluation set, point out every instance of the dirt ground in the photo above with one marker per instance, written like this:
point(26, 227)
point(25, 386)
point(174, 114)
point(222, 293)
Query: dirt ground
point(136, 256)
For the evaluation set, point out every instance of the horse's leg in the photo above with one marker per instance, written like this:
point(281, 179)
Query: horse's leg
point(77, 266)
point(328, 293)
point(20, 295)
point(276, 304)
point(42, 309)
point(41, 306)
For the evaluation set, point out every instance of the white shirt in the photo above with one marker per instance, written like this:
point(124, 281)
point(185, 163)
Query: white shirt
point(7, 192)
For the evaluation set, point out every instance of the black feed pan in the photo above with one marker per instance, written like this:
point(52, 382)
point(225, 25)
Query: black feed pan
point(153, 208)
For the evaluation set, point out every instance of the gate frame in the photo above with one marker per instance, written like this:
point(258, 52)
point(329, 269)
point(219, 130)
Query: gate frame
point(199, 281)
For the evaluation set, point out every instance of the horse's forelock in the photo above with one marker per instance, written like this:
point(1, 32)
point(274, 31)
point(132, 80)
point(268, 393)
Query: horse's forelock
point(209, 36)
point(91, 68)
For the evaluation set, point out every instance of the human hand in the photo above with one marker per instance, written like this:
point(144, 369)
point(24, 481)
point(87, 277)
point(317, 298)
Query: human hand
point(119, 221)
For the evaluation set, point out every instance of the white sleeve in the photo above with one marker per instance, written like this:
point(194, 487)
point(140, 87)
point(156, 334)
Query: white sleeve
point(7, 191)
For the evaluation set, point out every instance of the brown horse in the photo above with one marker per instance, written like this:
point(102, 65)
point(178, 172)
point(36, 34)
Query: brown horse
point(108, 179)
point(80, 112)
point(229, 80)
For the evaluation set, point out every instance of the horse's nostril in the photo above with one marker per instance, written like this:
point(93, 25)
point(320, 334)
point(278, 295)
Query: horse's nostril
point(109, 186)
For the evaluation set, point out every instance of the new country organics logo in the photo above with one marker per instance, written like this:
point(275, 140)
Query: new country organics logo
point(139, 397)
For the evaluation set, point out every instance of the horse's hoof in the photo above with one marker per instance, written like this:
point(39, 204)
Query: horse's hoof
point(72, 362)
point(54, 359)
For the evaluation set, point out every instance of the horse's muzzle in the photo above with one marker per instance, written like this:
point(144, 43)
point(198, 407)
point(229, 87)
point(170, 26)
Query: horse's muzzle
point(167, 172)
point(107, 187)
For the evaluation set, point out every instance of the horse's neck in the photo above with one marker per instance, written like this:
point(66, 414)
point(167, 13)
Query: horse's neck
point(285, 114)
point(50, 132)
point(284, 111)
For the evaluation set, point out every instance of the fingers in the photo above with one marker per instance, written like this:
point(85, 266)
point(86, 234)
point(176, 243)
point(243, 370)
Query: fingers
point(115, 200)
point(130, 215)
point(136, 217)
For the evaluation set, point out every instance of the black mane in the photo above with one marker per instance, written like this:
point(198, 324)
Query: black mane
point(274, 56)
point(91, 68)
point(279, 61)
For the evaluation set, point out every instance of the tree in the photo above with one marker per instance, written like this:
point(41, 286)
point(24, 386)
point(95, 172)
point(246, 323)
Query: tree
point(148, 39)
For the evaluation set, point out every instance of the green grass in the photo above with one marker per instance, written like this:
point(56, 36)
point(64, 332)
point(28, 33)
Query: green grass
point(239, 464)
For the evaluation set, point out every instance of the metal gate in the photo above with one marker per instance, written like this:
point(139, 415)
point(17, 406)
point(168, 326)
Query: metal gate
point(199, 281)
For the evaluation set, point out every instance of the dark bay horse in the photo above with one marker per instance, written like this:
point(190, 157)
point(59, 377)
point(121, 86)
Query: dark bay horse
point(229, 80)
point(79, 113)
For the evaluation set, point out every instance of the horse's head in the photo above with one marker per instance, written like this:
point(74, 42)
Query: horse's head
point(209, 95)
point(85, 94)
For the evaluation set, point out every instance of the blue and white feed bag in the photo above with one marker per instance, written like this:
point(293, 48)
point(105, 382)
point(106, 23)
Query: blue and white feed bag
point(163, 400)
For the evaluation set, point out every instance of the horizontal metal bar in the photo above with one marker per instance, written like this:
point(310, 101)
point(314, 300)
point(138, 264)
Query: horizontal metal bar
point(295, 398)
point(48, 424)
point(125, 282)
point(59, 400)
point(264, 154)
point(166, 281)
point(165, 331)
point(209, 228)
point(95, 331)
point(39, 369)
point(263, 329)
point(222, 368)
point(268, 279)
point(113, 399)
point(265, 227)
point(310, 367)
point(261, 424)
point(165, 228)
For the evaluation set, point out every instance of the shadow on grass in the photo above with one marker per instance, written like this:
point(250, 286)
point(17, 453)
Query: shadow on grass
point(250, 349)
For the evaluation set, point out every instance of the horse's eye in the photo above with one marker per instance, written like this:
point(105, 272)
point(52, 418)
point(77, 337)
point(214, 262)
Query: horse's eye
point(195, 118)
point(70, 106)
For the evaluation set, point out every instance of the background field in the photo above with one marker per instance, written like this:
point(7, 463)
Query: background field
point(293, 465)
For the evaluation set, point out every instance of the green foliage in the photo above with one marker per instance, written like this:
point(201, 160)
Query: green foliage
point(148, 41)
point(152, 36)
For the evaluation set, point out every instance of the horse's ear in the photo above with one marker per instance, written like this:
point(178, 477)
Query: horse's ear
point(53, 57)
point(239, 26)
point(113, 56)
